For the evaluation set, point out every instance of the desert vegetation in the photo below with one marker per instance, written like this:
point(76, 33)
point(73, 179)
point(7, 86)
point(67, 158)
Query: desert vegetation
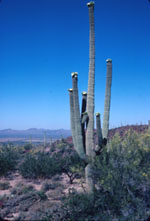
point(49, 184)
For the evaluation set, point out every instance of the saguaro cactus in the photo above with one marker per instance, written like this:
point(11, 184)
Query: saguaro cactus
point(148, 125)
point(83, 137)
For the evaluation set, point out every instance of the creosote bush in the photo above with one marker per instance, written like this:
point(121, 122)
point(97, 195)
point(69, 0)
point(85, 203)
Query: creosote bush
point(39, 165)
point(8, 160)
point(69, 161)
point(61, 159)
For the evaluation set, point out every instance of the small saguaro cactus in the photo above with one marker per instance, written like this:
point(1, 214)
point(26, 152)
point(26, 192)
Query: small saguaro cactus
point(45, 139)
point(82, 125)
point(148, 125)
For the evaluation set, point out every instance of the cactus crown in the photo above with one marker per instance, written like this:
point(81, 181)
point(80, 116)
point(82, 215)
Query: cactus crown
point(84, 93)
point(89, 4)
point(109, 60)
point(74, 74)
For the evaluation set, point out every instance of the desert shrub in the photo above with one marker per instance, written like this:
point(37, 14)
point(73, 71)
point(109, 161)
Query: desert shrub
point(80, 207)
point(21, 188)
point(28, 146)
point(56, 178)
point(69, 161)
point(62, 159)
point(22, 216)
point(24, 201)
point(42, 195)
point(102, 206)
point(19, 150)
point(39, 165)
point(4, 185)
point(50, 185)
point(119, 172)
point(8, 160)
point(46, 186)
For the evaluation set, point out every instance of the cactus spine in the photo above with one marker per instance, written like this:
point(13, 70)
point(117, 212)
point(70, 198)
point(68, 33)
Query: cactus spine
point(84, 145)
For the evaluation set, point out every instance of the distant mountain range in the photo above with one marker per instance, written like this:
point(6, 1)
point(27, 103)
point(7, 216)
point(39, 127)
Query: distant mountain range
point(33, 134)
point(42, 135)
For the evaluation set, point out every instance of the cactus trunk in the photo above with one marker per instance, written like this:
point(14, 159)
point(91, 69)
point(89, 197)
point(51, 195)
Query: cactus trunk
point(90, 99)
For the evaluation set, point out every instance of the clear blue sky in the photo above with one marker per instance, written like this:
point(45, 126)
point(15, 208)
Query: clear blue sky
point(43, 41)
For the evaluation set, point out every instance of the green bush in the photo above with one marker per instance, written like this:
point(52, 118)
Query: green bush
point(62, 159)
point(8, 160)
point(28, 146)
point(39, 165)
point(123, 171)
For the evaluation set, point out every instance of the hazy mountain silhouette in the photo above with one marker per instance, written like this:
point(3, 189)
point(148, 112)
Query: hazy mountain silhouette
point(34, 133)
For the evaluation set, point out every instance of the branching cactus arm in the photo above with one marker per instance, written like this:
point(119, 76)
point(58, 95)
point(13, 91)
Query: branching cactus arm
point(107, 98)
point(72, 116)
point(83, 117)
point(99, 131)
point(77, 119)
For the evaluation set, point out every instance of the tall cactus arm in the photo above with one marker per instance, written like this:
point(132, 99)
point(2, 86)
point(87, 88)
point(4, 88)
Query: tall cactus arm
point(72, 116)
point(107, 98)
point(83, 117)
point(77, 120)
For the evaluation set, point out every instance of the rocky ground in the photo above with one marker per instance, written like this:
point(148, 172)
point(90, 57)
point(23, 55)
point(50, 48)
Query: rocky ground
point(27, 199)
